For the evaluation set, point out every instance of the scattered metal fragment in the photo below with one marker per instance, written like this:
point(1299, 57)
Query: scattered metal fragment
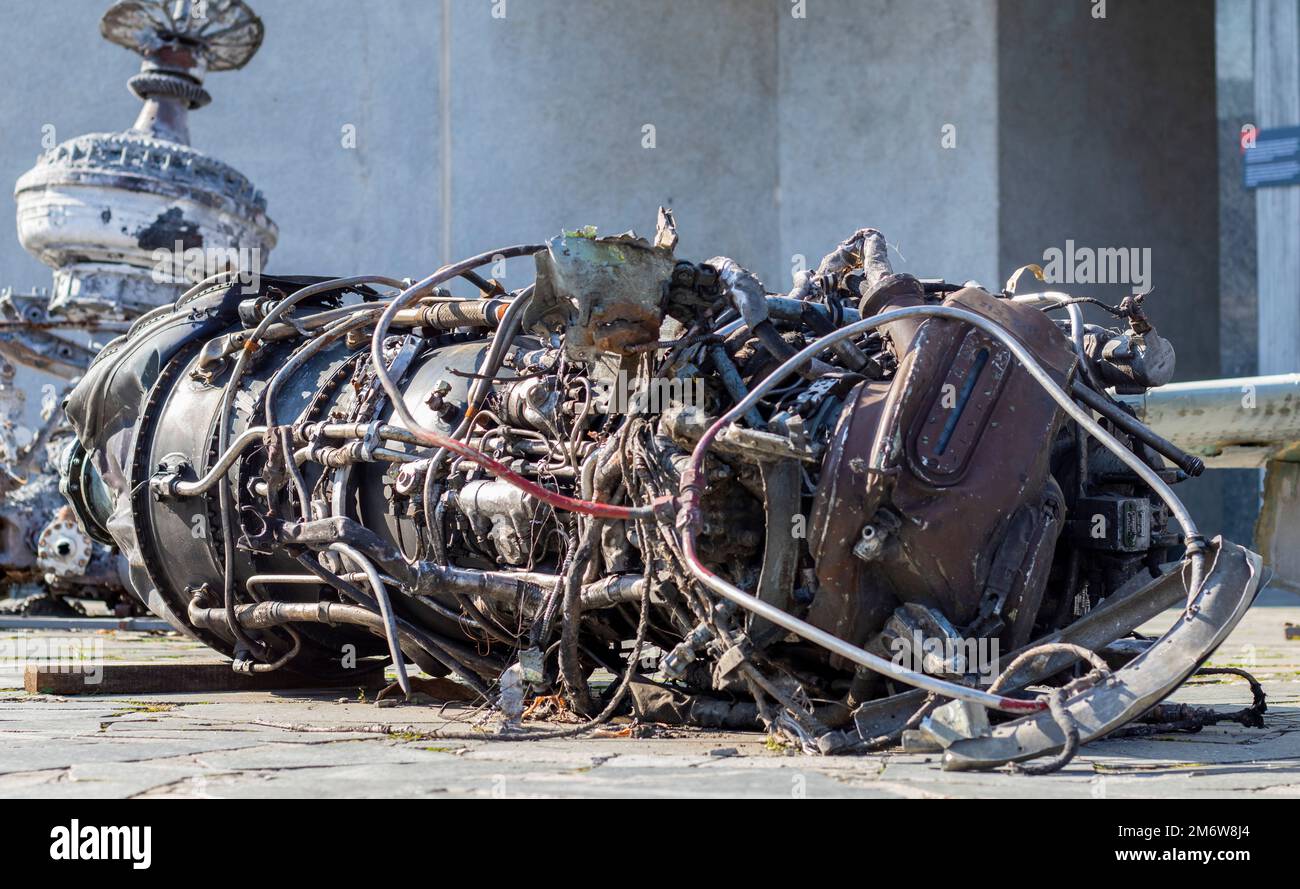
point(956, 720)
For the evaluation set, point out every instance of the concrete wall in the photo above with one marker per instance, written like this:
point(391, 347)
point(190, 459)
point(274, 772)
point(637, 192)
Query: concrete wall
point(324, 64)
point(867, 89)
point(548, 114)
point(1108, 138)
point(88, 95)
point(779, 127)
point(545, 110)
point(1235, 107)
point(1108, 135)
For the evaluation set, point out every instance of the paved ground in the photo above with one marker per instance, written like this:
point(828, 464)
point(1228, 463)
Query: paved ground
point(300, 744)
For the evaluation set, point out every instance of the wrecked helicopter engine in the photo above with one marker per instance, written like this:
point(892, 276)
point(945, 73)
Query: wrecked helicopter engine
point(826, 513)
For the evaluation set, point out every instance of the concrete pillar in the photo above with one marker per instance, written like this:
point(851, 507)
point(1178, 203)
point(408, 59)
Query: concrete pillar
point(1277, 215)
point(1235, 106)
point(1277, 210)
point(1238, 281)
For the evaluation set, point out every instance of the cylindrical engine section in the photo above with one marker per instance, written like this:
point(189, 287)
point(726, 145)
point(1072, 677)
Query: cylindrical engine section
point(185, 533)
point(188, 529)
point(448, 370)
point(149, 404)
point(107, 408)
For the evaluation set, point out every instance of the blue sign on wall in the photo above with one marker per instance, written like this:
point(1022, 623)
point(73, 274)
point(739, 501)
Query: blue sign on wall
point(1273, 159)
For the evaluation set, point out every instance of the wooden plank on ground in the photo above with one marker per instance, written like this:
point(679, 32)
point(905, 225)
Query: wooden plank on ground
point(154, 678)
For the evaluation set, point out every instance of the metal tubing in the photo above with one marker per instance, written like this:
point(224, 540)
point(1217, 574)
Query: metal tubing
point(222, 466)
point(429, 437)
point(385, 610)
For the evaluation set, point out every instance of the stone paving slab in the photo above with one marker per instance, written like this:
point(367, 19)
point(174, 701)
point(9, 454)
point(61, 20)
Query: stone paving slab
point(327, 744)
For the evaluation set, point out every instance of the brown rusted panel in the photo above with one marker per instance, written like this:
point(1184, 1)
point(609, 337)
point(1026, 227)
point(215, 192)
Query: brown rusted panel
point(945, 435)
point(953, 450)
point(845, 500)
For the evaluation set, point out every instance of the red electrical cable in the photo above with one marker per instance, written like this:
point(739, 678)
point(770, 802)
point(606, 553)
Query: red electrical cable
point(528, 486)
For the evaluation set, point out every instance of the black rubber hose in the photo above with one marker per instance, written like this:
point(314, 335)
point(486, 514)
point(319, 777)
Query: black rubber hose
point(571, 611)
point(1065, 721)
point(1188, 463)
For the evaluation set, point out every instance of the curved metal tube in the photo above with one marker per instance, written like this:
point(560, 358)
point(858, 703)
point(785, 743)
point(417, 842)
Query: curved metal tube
point(1055, 299)
point(385, 610)
point(330, 334)
point(249, 436)
point(223, 430)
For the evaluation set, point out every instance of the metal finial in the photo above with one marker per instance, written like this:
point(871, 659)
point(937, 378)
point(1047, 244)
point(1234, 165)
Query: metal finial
point(224, 34)
point(180, 41)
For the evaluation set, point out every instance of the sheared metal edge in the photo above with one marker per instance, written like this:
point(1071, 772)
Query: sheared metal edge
point(1227, 593)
